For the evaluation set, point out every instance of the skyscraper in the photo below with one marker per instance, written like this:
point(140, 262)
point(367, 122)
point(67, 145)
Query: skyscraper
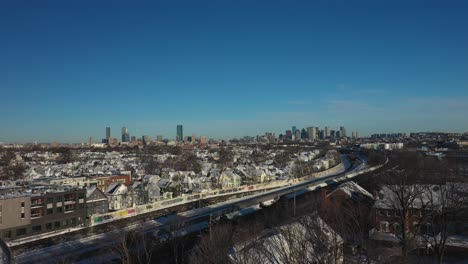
point(297, 135)
point(312, 131)
point(294, 130)
point(304, 134)
point(180, 133)
point(327, 132)
point(343, 131)
point(125, 135)
point(108, 134)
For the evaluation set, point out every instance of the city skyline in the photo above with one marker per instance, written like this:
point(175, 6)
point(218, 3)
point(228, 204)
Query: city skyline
point(231, 69)
point(314, 132)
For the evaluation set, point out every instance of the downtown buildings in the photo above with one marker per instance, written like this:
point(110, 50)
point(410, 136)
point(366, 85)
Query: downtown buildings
point(180, 133)
point(125, 135)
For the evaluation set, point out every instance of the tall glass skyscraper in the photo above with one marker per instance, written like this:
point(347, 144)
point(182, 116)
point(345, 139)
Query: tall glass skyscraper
point(180, 133)
point(125, 135)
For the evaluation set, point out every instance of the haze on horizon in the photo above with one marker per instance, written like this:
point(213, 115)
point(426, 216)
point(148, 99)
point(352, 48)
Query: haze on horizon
point(230, 68)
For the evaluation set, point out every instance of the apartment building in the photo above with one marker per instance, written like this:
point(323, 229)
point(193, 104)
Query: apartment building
point(41, 211)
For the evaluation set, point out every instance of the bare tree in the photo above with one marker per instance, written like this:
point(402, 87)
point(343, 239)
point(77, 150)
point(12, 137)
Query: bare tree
point(300, 169)
point(351, 220)
point(136, 246)
point(308, 240)
point(7, 157)
point(214, 248)
point(403, 197)
point(225, 157)
point(445, 204)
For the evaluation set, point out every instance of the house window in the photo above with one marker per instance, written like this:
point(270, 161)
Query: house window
point(21, 232)
point(59, 199)
point(36, 212)
point(36, 229)
point(48, 226)
point(7, 234)
point(50, 211)
point(22, 204)
point(57, 224)
point(50, 200)
point(59, 209)
point(22, 215)
point(384, 226)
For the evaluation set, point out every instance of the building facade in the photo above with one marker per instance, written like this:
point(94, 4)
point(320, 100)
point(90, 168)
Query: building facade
point(180, 133)
point(42, 212)
point(312, 132)
point(125, 135)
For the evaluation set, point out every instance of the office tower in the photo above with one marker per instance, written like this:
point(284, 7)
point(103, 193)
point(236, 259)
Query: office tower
point(193, 139)
point(326, 132)
point(289, 134)
point(108, 134)
point(357, 135)
point(332, 133)
point(304, 134)
point(133, 139)
point(203, 140)
point(321, 134)
point(297, 135)
point(293, 130)
point(180, 133)
point(125, 135)
point(353, 134)
point(159, 138)
point(343, 131)
point(312, 133)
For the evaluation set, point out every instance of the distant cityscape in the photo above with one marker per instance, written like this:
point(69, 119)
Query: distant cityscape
point(309, 134)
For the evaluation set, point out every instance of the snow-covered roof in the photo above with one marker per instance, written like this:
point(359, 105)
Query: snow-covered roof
point(352, 189)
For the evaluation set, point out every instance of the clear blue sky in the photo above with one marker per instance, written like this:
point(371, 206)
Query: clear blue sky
point(230, 68)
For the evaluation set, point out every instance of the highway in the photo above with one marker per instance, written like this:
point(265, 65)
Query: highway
point(89, 245)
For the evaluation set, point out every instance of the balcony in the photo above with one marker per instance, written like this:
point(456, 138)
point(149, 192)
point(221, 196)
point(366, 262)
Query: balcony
point(67, 202)
point(69, 208)
point(36, 215)
point(36, 205)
